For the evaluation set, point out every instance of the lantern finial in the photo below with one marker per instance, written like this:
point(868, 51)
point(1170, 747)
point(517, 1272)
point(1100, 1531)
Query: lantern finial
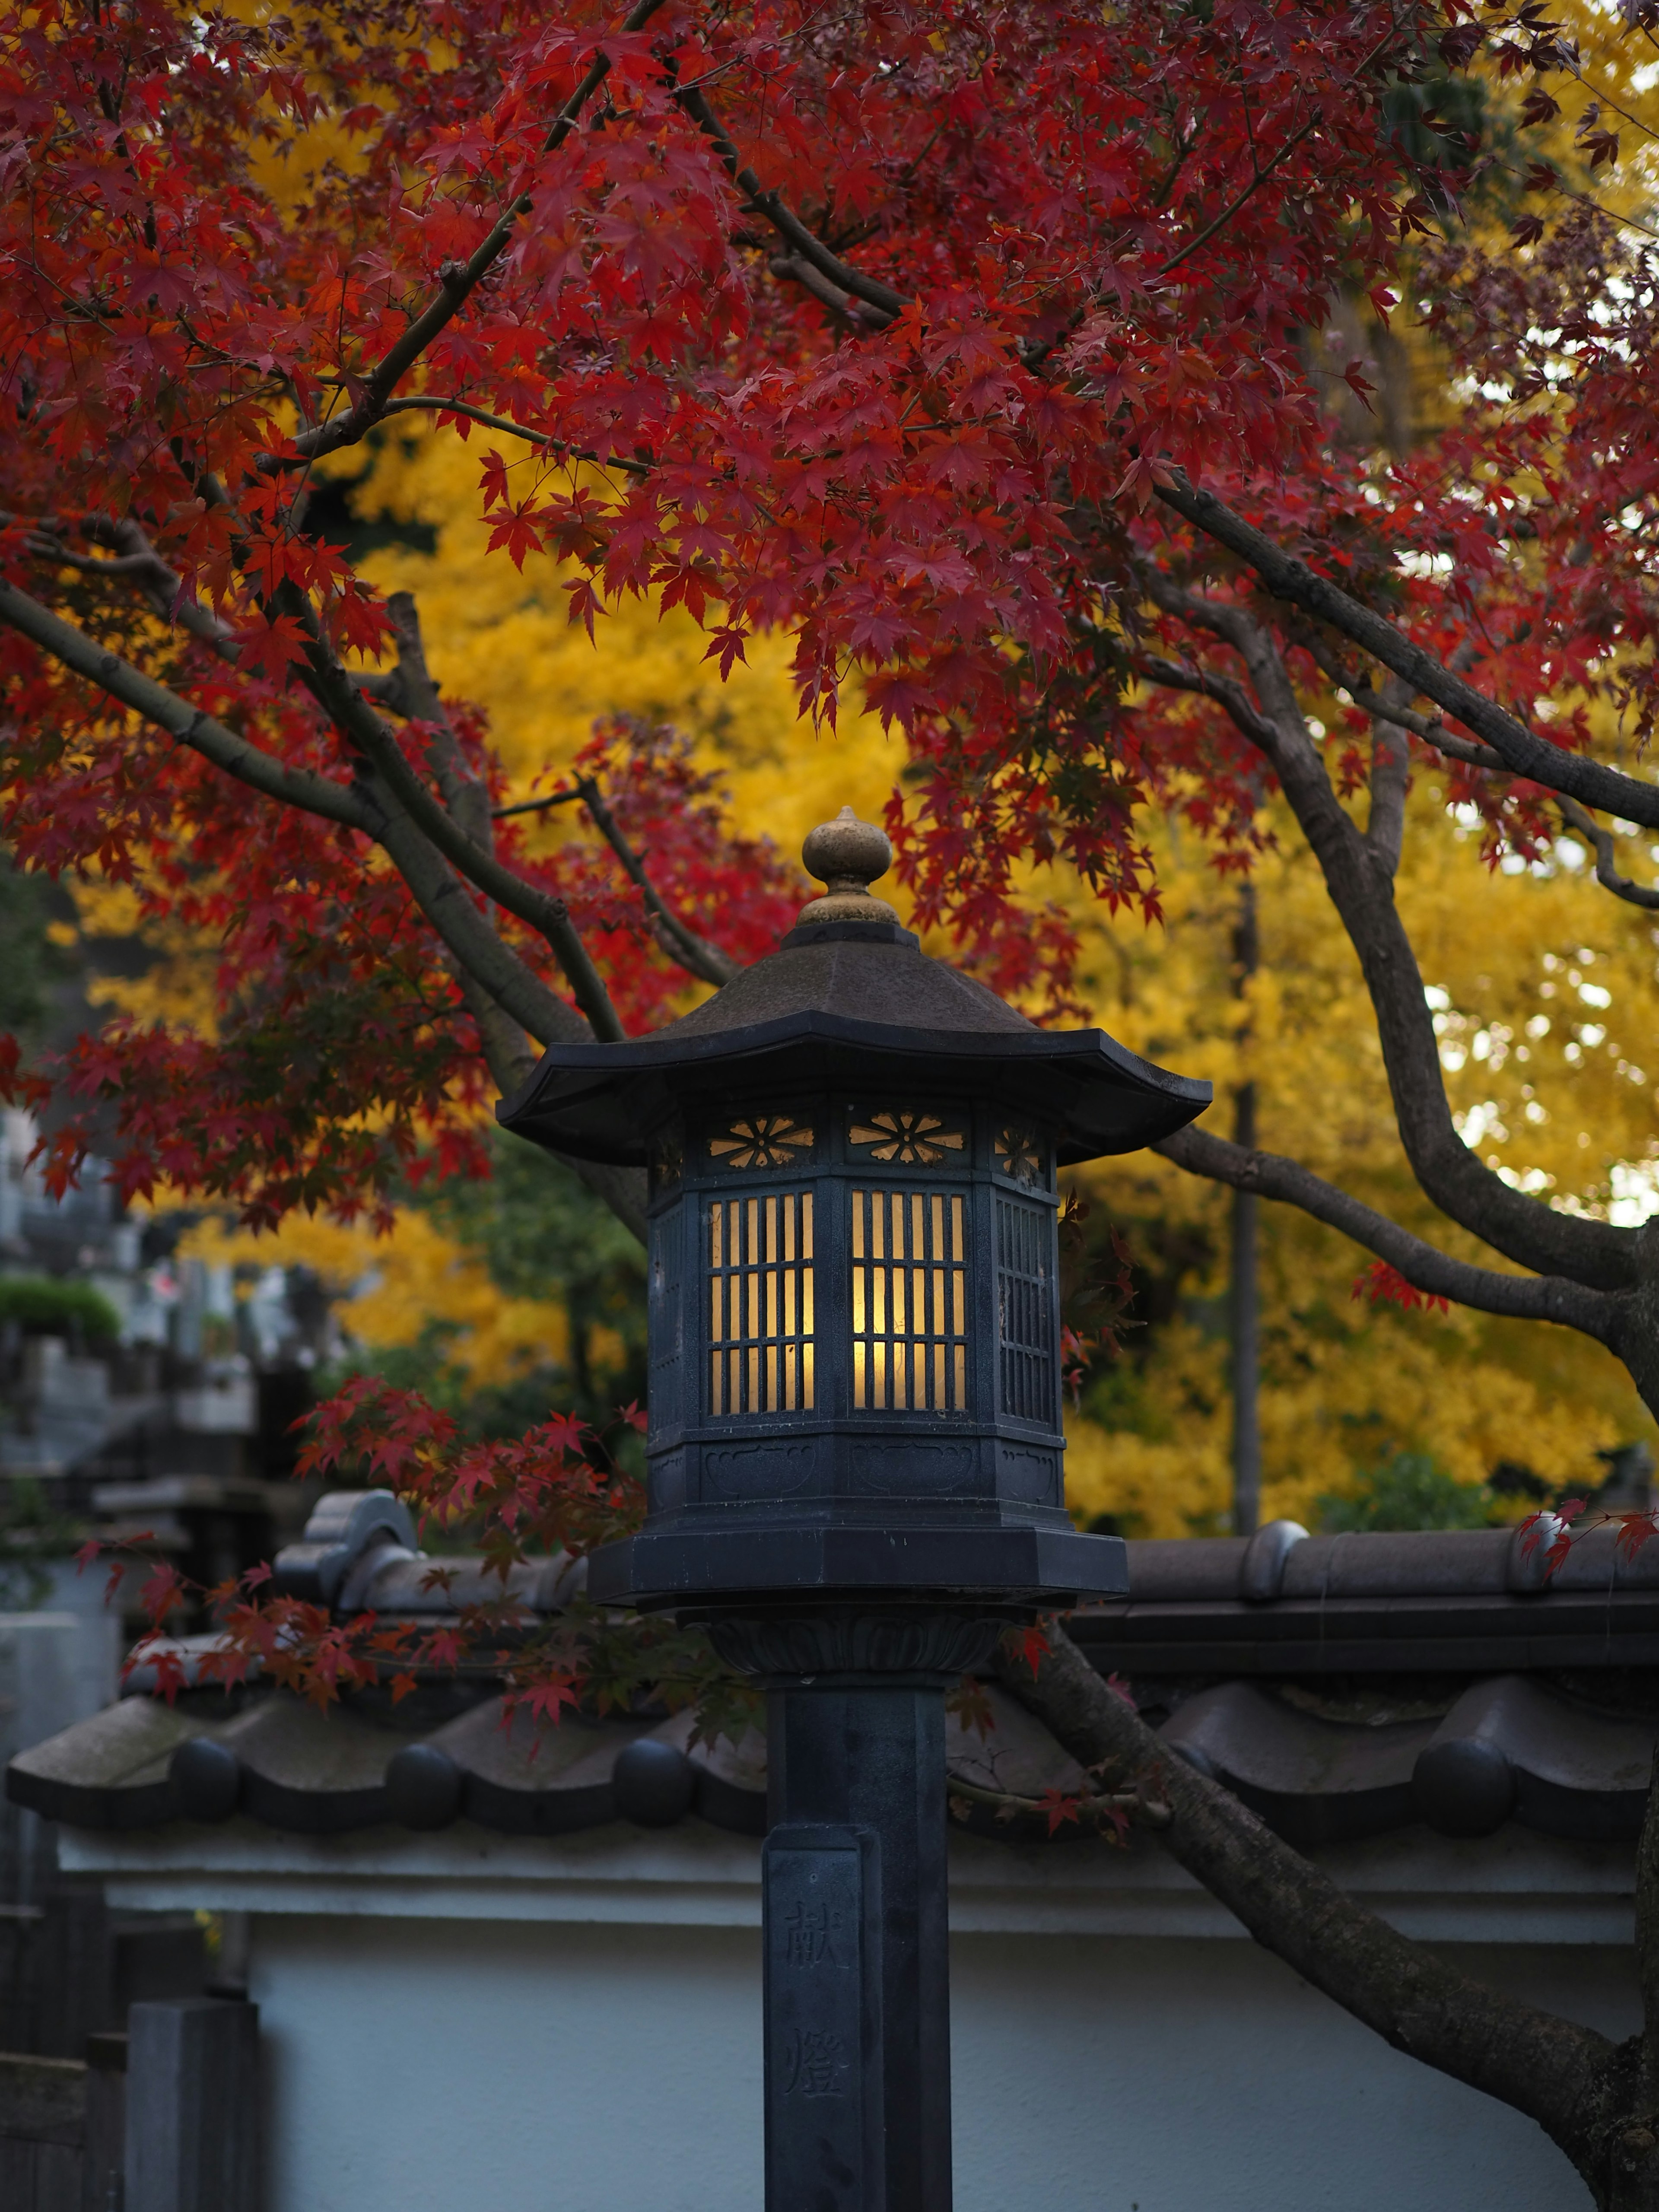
point(846, 855)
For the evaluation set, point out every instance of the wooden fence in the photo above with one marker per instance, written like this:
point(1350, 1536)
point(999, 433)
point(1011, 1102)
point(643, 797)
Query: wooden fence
point(163, 2118)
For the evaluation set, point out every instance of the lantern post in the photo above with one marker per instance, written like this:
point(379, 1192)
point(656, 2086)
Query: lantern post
point(855, 1444)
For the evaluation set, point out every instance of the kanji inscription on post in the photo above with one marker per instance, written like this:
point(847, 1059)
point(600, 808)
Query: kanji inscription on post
point(821, 1933)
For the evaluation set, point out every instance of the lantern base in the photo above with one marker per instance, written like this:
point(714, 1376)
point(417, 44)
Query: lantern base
point(1049, 1568)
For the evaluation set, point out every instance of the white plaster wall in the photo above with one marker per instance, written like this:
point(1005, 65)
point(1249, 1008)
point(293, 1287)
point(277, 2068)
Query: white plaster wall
point(439, 2066)
point(1154, 2074)
point(435, 2065)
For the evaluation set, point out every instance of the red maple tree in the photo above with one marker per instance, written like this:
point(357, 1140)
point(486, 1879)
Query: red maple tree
point(966, 342)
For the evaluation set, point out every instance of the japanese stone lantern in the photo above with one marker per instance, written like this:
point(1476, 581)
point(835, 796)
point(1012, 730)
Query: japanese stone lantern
point(855, 1444)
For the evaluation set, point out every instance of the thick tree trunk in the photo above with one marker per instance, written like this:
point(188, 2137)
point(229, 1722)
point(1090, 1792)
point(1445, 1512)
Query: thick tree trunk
point(1598, 2100)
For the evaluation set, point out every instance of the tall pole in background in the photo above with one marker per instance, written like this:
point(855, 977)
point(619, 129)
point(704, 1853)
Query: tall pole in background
point(1243, 1297)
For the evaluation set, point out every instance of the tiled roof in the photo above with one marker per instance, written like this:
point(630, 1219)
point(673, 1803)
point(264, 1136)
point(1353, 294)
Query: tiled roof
point(1444, 1599)
point(286, 1763)
point(1265, 1663)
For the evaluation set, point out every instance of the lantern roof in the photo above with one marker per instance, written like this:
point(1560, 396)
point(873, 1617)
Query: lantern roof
point(849, 994)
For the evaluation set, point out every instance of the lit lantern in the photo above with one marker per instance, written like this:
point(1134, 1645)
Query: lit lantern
point(855, 1319)
point(855, 1443)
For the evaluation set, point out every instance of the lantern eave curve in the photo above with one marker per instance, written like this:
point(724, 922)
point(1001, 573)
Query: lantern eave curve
point(602, 1101)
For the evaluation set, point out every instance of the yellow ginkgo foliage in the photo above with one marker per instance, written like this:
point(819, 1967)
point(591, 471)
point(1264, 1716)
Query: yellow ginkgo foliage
point(1546, 993)
point(504, 638)
point(390, 1289)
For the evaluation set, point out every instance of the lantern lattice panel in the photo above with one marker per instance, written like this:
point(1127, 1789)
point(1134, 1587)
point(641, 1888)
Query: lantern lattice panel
point(1026, 1313)
point(761, 1292)
point(909, 1253)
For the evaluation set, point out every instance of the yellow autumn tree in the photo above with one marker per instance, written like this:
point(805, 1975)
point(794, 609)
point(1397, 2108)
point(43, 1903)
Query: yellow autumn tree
point(1548, 1015)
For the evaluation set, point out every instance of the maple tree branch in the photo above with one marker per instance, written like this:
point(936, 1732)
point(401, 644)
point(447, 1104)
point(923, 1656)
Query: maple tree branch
point(789, 226)
point(432, 883)
point(1274, 719)
point(793, 269)
point(1391, 760)
point(1559, 2074)
point(1523, 752)
point(1174, 676)
point(1035, 351)
point(358, 721)
point(457, 281)
point(517, 431)
point(1430, 727)
point(89, 564)
point(1390, 705)
point(534, 805)
point(507, 1049)
point(136, 562)
point(192, 725)
point(693, 952)
point(1597, 1253)
point(415, 695)
point(447, 904)
point(1096, 1804)
point(1256, 182)
point(1606, 873)
point(512, 1063)
point(1269, 1175)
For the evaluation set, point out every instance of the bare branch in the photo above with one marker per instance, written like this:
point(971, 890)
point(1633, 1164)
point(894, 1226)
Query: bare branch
point(1607, 874)
point(1527, 1297)
point(535, 805)
point(1521, 752)
point(692, 951)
